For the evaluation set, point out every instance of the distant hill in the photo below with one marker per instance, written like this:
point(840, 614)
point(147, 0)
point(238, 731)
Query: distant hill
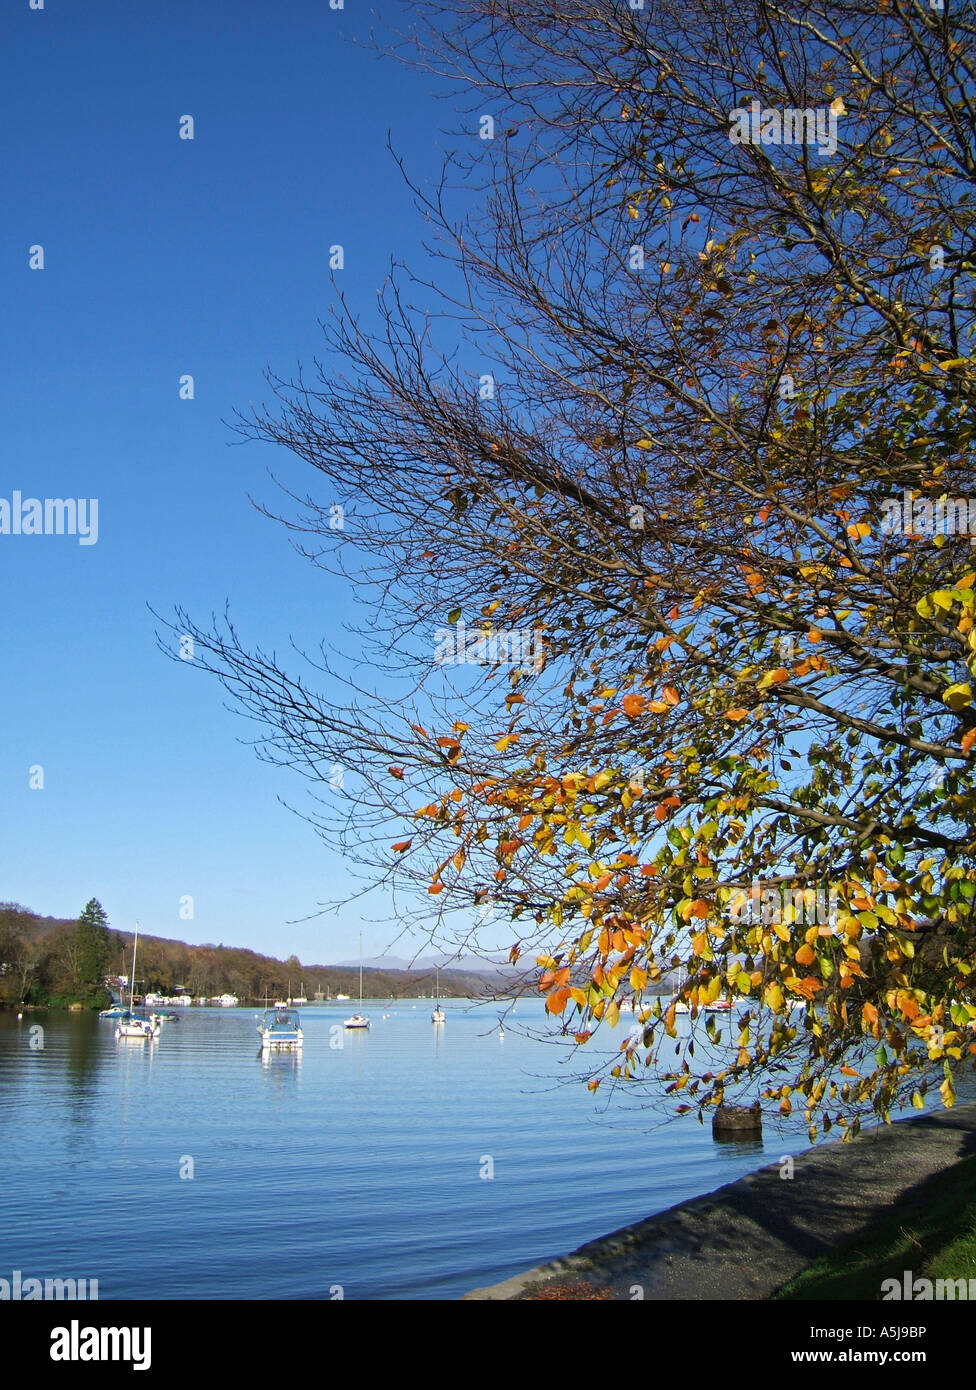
point(32, 951)
point(472, 965)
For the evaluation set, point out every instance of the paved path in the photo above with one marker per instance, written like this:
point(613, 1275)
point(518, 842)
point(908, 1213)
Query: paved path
point(748, 1239)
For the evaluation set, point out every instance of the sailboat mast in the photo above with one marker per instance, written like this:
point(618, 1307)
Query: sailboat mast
point(360, 970)
point(132, 982)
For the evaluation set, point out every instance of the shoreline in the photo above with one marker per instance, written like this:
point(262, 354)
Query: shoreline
point(747, 1239)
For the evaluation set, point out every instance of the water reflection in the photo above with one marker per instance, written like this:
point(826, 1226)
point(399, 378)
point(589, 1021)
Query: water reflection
point(280, 1063)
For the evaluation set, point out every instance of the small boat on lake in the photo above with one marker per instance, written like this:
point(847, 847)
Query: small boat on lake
point(359, 1020)
point(142, 1029)
point(116, 1011)
point(438, 1016)
point(133, 1025)
point(280, 1027)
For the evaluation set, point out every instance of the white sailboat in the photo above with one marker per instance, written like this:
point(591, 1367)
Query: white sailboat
point(359, 1020)
point(132, 1026)
point(438, 1016)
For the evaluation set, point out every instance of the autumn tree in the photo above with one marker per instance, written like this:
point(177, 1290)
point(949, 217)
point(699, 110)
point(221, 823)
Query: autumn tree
point(686, 438)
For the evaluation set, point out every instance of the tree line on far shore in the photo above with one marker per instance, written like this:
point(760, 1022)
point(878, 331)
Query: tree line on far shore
point(53, 962)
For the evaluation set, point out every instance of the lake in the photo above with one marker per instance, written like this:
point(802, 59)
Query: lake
point(362, 1167)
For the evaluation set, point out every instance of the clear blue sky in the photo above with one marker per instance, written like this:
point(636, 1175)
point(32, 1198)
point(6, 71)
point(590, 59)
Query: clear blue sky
point(163, 257)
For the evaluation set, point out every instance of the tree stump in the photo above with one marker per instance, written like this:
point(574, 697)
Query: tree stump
point(737, 1121)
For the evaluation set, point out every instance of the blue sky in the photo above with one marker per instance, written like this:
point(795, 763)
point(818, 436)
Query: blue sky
point(163, 257)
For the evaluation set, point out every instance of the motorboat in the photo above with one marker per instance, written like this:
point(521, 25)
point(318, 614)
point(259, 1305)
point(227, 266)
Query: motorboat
point(116, 1011)
point(280, 1028)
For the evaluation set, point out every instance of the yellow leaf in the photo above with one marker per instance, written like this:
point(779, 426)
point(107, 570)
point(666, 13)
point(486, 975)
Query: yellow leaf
point(774, 997)
point(957, 696)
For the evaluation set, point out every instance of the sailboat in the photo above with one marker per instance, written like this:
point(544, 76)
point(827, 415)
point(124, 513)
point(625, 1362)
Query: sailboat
point(359, 1020)
point(132, 1026)
point(438, 1016)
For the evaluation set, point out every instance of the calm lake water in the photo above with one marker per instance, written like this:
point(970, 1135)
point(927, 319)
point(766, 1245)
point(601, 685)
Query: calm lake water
point(358, 1166)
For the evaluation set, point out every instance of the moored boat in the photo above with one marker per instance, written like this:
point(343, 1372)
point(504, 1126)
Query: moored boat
point(142, 1029)
point(133, 1025)
point(280, 1027)
point(359, 1020)
point(438, 1016)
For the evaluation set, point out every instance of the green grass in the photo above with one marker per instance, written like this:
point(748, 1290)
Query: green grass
point(933, 1234)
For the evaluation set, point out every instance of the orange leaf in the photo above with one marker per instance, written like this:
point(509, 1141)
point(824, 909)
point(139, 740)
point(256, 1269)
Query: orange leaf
point(805, 955)
point(435, 888)
point(633, 705)
point(557, 1001)
point(968, 738)
point(736, 714)
point(670, 695)
point(401, 845)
